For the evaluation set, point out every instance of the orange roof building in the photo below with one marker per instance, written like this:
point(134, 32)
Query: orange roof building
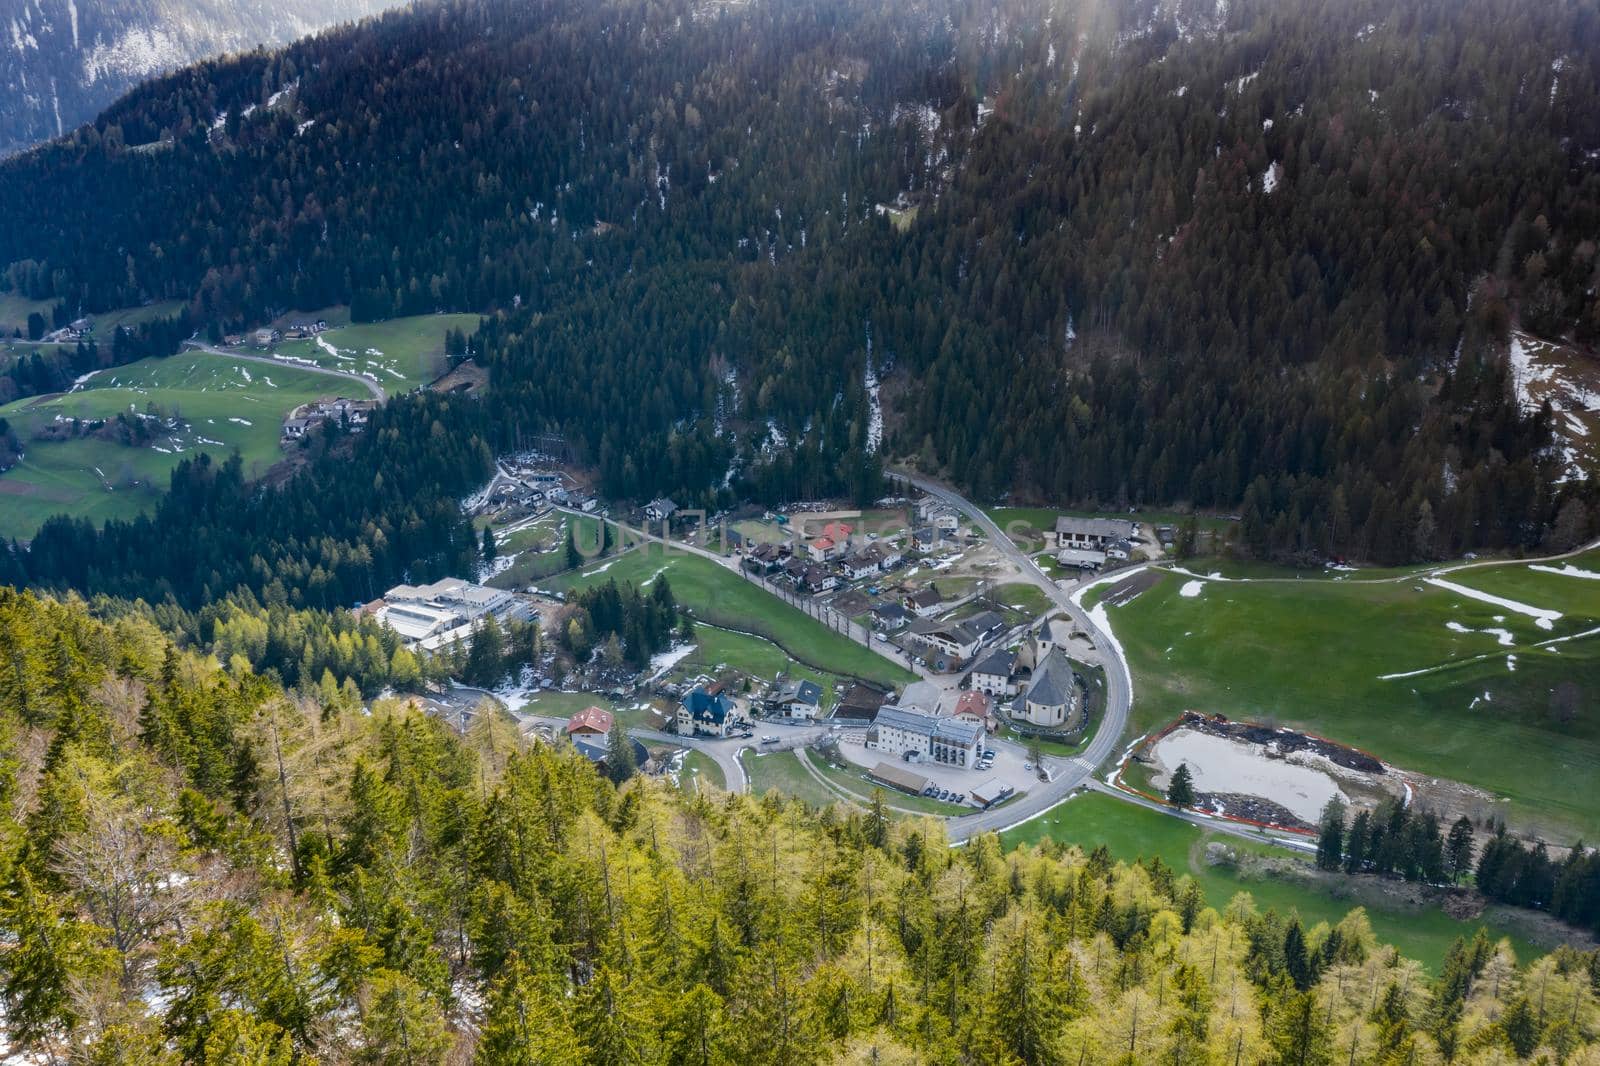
point(590, 721)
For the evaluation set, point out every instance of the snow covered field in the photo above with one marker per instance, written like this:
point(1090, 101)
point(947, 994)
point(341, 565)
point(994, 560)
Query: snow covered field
point(1220, 764)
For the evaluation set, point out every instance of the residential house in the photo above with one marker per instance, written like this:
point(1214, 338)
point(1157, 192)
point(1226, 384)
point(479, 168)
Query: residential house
point(1120, 550)
point(924, 602)
point(923, 737)
point(860, 565)
point(993, 674)
point(766, 559)
point(821, 549)
point(266, 338)
point(861, 701)
point(660, 509)
point(796, 698)
point(817, 579)
point(598, 749)
point(976, 707)
point(955, 643)
point(946, 522)
point(888, 553)
point(1051, 697)
point(926, 538)
point(794, 568)
point(1096, 533)
point(706, 713)
point(889, 616)
point(590, 722)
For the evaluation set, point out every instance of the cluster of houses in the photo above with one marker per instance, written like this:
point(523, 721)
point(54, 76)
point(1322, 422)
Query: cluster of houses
point(347, 412)
point(1089, 543)
point(821, 563)
point(532, 488)
point(430, 617)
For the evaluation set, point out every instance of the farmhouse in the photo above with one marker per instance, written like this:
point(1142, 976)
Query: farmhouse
point(660, 509)
point(917, 737)
point(1082, 558)
point(346, 412)
point(796, 698)
point(1051, 698)
point(993, 674)
point(1094, 533)
point(266, 338)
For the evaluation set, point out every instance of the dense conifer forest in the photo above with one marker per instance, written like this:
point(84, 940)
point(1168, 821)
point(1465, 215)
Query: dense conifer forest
point(1250, 257)
point(198, 866)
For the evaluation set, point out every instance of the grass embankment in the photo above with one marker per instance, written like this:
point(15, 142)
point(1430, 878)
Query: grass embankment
point(401, 353)
point(716, 595)
point(1129, 831)
point(1315, 655)
point(782, 771)
point(700, 769)
point(755, 656)
point(229, 405)
point(540, 546)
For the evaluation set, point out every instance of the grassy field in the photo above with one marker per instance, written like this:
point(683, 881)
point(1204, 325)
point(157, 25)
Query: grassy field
point(1325, 655)
point(229, 405)
point(399, 354)
point(714, 594)
point(782, 771)
point(756, 656)
point(700, 768)
point(860, 787)
point(15, 309)
point(539, 546)
point(1130, 832)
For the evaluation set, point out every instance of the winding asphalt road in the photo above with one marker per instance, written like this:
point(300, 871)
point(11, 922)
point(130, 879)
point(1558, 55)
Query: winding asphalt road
point(1067, 774)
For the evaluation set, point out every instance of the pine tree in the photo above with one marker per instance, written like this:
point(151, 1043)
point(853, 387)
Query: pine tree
point(1180, 790)
point(574, 557)
point(1330, 838)
point(489, 550)
point(1458, 848)
point(620, 761)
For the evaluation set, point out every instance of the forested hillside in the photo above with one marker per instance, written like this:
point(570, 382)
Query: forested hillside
point(62, 61)
point(197, 866)
point(1253, 257)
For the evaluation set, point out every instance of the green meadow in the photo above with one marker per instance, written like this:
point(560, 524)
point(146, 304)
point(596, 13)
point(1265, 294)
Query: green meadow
point(1130, 832)
point(716, 595)
point(1414, 673)
point(230, 405)
point(400, 354)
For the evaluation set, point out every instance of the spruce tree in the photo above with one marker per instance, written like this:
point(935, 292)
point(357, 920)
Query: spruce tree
point(1180, 790)
point(620, 762)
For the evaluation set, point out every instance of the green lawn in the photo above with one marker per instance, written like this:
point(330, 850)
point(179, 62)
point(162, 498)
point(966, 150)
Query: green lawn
point(15, 309)
point(1131, 832)
point(400, 354)
point(782, 771)
point(1314, 654)
point(756, 656)
point(533, 565)
point(229, 404)
point(716, 595)
point(1029, 599)
point(700, 768)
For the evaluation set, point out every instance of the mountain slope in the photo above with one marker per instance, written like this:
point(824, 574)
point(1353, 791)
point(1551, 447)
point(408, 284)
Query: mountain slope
point(1251, 257)
point(62, 61)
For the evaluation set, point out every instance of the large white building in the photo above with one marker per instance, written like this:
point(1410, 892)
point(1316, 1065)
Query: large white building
point(923, 737)
point(430, 616)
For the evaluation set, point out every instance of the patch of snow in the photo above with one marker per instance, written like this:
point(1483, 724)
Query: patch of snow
point(1271, 176)
point(1544, 619)
point(1566, 570)
point(1191, 589)
point(242, 421)
point(664, 661)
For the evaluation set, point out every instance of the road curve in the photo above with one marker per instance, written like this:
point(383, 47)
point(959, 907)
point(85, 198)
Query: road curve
point(1071, 773)
point(266, 360)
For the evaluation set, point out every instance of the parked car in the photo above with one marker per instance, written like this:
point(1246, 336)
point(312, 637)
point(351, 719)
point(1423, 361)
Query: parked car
point(769, 740)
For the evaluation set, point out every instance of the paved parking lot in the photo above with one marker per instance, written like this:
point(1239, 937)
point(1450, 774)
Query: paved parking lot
point(1008, 767)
